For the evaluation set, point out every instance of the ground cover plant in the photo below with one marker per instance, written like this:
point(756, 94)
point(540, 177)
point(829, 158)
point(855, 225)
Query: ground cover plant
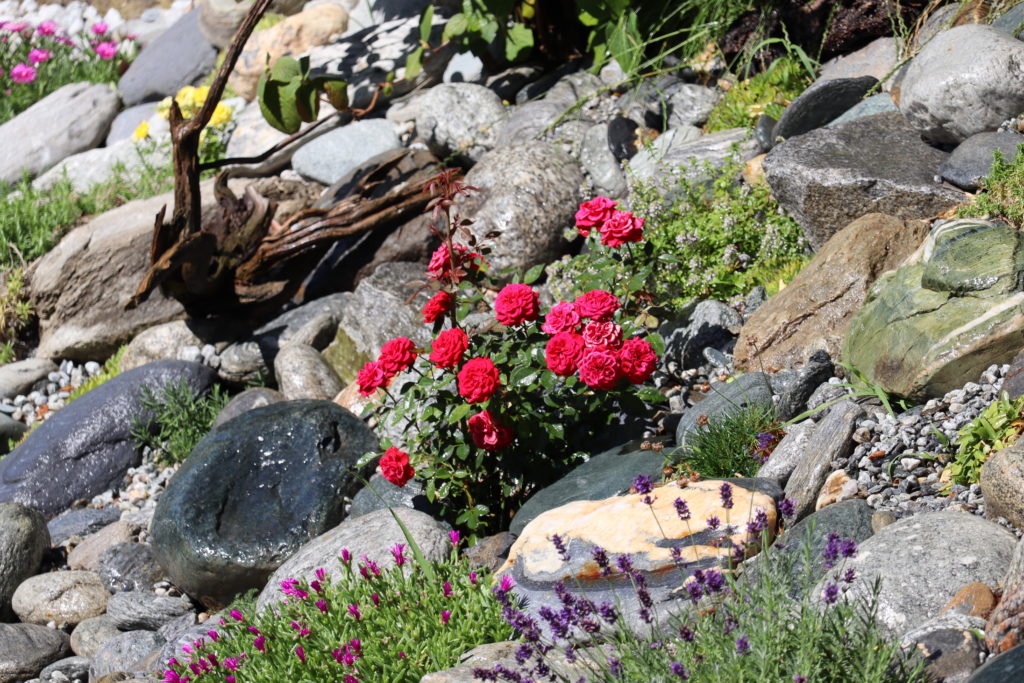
point(1002, 191)
point(998, 427)
point(36, 60)
point(182, 418)
point(735, 627)
point(491, 414)
point(735, 443)
point(371, 624)
point(765, 93)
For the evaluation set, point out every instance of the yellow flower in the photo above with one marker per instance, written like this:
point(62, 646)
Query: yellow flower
point(200, 94)
point(141, 131)
point(221, 114)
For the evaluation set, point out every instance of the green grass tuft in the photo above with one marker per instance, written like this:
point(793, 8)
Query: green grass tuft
point(766, 93)
point(725, 446)
point(1002, 192)
point(182, 418)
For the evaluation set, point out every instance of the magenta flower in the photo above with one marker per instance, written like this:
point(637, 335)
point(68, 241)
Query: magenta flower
point(321, 575)
point(447, 589)
point(349, 678)
point(231, 663)
point(398, 552)
point(38, 56)
point(260, 643)
point(354, 611)
point(445, 616)
point(346, 557)
point(454, 536)
point(16, 26)
point(506, 583)
point(23, 73)
point(47, 28)
point(300, 653)
point(472, 578)
point(376, 599)
point(321, 605)
point(315, 585)
point(106, 50)
point(213, 635)
point(99, 28)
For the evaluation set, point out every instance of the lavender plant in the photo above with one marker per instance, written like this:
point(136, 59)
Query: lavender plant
point(371, 624)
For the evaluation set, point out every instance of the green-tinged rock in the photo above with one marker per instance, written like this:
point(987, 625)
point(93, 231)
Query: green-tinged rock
point(938, 322)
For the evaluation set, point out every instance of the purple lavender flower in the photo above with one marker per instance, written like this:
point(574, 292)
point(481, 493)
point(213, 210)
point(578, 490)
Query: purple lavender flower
point(695, 590)
point(614, 666)
point(759, 523)
point(601, 558)
point(797, 678)
point(624, 564)
point(830, 594)
point(743, 645)
point(713, 522)
point(679, 670)
point(850, 575)
point(687, 634)
point(725, 493)
point(787, 507)
point(682, 509)
point(559, 544)
point(714, 580)
point(607, 612)
point(643, 484)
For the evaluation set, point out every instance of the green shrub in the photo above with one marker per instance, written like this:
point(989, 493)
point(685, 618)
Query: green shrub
point(15, 311)
point(369, 624)
point(1002, 192)
point(998, 426)
point(182, 419)
point(729, 445)
point(766, 93)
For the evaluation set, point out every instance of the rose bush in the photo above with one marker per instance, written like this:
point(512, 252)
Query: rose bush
point(492, 413)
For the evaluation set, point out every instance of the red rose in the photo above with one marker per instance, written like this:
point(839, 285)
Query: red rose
point(597, 304)
point(478, 379)
point(448, 348)
point(516, 304)
point(564, 352)
point(561, 318)
point(371, 378)
point(637, 360)
point(395, 467)
point(488, 433)
point(452, 267)
point(437, 306)
point(602, 334)
point(600, 369)
point(622, 227)
point(594, 212)
point(397, 355)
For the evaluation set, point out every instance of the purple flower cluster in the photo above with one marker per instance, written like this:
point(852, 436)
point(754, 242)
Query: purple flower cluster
point(836, 547)
point(644, 485)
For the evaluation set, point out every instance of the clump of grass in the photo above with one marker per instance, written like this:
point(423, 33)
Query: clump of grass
point(393, 624)
point(729, 445)
point(111, 369)
point(181, 417)
point(1002, 191)
point(766, 93)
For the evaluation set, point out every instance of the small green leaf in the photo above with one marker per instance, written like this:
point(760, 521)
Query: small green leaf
point(426, 23)
point(518, 42)
point(455, 27)
point(414, 64)
point(460, 411)
point(533, 274)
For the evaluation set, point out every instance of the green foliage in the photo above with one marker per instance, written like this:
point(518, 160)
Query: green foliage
point(73, 61)
point(111, 369)
point(1002, 192)
point(374, 624)
point(727, 445)
point(766, 93)
point(15, 311)
point(997, 427)
point(289, 94)
point(182, 418)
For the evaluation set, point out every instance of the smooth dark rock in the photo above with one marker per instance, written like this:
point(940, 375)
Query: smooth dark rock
point(726, 397)
point(622, 137)
point(25, 649)
point(600, 163)
point(603, 476)
point(123, 653)
point(850, 519)
point(1012, 21)
point(81, 522)
point(764, 132)
point(948, 645)
point(23, 541)
point(144, 610)
point(820, 104)
point(18, 377)
point(69, 667)
point(129, 567)
point(87, 445)
point(797, 387)
point(831, 176)
point(11, 432)
point(180, 56)
point(490, 551)
point(972, 160)
point(1008, 666)
point(253, 491)
point(411, 495)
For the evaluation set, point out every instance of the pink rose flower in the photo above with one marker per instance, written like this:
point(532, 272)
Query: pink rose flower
point(597, 304)
point(622, 227)
point(606, 334)
point(561, 318)
point(600, 369)
point(516, 304)
point(488, 433)
point(637, 359)
point(595, 212)
point(564, 352)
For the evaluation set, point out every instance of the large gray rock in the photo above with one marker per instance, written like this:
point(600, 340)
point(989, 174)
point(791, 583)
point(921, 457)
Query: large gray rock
point(94, 166)
point(302, 373)
point(753, 388)
point(964, 81)
point(123, 653)
point(70, 668)
point(691, 104)
point(850, 519)
point(603, 476)
point(19, 376)
point(66, 597)
point(600, 164)
point(710, 324)
point(529, 192)
point(80, 522)
point(23, 540)
point(821, 103)
point(87, 446)
point(180, 56)
point(830, 441)
point(922, 561)
point(1002, 481)
point(878, 58)
point(243, 402)
point(830, 176)
point(372, 535)
point(91, 633)
point(144, 610)
point(331, 156)
point(25, 649)
point(876, 104)
point(454, 119)
point(384, 494)
point(254, 490)
point(686, 152)
point(1008, 666)
point(129, 567)
point(972, 160)
point(69, 120)
point(788, 453)
point(125, 123)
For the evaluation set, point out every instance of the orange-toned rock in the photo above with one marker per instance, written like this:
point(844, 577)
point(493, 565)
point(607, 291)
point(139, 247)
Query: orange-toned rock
point(975, 600)
point(838, 486)
point(1005, 627)
point(86, 554)
point(350, 399)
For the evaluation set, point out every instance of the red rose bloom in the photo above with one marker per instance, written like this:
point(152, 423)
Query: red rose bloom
point(594, 212)
point(600, 369)
point(637, 359)
point(602, 334)
point(437, 306)
point(397, 355)
point(441, 264)
point(488, 433)
point(448, 348)
point(597, 304)
point(371, 378)
point(395, 467)
point(478, 379)
point(516, 304)
point(561, 318)
point(564, 352)
point(622, 227)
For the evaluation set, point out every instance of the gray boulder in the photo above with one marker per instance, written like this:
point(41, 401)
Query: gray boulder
point(67, 669)
point(69, 120)
point(753, 388)
point(788, 453)
point(23, 541)
point(529, 192)
point(129, 567)
point(94, 166)
point(691, 104)
point(65, 597)
point(921, 570)
point(600, 164)
point(1008, 666)
point(964, 81)
point(878, 58)
point(384, 494)
point(123, 653)
point(145, 611)
point(972, 160)
point(820, 104)
point(91, 633)
point(331, 156)
point(685, 152)
point(302, 373)
point(25, 649)
point(372, 535)
point(245, 401)
point(80, 522)
point(876, 104)
point(831, 176)
point(453, 119)
point(19, 376)
point(254, 490)
point(180, 56)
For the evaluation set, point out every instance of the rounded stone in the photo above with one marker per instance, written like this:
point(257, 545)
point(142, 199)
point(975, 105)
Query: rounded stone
point(25, 649)
point(123, 653)
point(1002, 481)
point(253, 491)
point(66, 597)
point(24, 539)
point(303, 373)
point(246, 401)
point(91, 633)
